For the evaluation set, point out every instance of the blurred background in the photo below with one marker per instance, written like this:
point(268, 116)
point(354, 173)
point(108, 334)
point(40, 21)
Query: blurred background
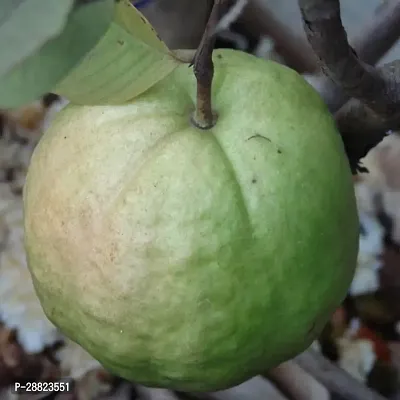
point(357, 356)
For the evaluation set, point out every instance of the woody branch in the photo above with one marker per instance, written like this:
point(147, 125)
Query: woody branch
point(374, 108)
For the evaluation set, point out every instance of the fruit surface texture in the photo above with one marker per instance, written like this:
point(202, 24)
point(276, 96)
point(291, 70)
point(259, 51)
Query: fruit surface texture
point(194, 259)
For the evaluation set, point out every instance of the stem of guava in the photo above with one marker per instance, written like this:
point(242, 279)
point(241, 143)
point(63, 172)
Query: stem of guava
point(204, 117)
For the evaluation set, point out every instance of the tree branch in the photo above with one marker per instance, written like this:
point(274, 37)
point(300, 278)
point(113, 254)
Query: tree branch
point(361, 128)
point(376, 38)
point(380, 33)
point(377, 90)
point(334, 378)
point(328, 38)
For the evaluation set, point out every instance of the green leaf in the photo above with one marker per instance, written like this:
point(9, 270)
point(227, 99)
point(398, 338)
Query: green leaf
point(128, 60)
point(46, 66)
point(26, 25)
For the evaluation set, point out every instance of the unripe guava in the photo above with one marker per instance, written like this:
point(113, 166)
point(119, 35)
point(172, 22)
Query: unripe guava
point(193, 259)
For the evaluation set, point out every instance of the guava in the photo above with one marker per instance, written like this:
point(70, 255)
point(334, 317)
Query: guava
point(194, 259)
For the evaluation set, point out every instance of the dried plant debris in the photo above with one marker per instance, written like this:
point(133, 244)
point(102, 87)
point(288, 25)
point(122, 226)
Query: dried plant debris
point(20, 131)
point(19, 306)
point(27, 119)
point(17, 365)
point(356, 355)
point(75, 361)
point(375, 289)
point(379, 189)
point(371, 246)
point(93, 385)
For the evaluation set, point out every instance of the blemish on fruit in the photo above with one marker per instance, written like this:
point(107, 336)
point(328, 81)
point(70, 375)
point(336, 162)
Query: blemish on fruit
point(311, 329)
point(257, 135)
point(279, 151)
point(113, 251)
point(120, 42)
point(254, 180)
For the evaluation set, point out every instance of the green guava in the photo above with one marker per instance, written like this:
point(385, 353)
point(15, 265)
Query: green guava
point(192, 259)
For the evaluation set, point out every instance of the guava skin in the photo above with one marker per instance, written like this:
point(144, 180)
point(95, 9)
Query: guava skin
point(192, 259)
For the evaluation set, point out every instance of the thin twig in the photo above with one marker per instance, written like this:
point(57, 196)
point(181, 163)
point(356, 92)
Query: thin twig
point(254, 389)
point(296, 383)
point(334, 378)
point(204, 116)
point(232, 15)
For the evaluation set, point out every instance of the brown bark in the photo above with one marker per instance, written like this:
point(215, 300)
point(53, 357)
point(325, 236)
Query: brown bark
point(364, 121)
point(375, 39)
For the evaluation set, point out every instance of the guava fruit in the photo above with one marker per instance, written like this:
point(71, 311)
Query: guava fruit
point(194, 259)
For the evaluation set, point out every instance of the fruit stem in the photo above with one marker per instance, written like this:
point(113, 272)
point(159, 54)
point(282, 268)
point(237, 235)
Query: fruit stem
point(203, 66)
